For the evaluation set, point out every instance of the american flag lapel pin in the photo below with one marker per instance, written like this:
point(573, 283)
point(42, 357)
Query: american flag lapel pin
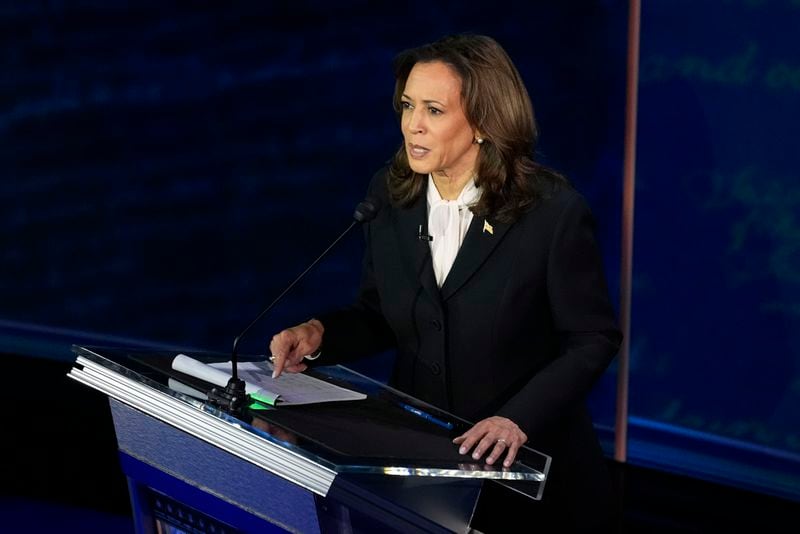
point(487, 227)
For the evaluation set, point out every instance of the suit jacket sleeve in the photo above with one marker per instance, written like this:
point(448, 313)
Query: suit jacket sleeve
point(584, 323)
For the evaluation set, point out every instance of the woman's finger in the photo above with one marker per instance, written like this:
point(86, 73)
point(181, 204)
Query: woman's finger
point(500, 446)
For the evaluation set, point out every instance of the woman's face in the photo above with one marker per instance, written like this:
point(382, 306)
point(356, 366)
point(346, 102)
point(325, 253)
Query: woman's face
point(438, 138)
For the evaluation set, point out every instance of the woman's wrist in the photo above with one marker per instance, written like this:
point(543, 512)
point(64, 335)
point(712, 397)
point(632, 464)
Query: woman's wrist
point(317, 325)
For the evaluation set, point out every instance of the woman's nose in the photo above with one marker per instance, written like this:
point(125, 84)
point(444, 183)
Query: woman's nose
point(415, 122)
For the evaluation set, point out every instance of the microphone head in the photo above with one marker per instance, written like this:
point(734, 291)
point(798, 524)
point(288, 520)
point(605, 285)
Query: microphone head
point(367, 209)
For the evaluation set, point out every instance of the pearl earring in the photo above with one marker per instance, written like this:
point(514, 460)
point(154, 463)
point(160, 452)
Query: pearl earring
point(479, 140)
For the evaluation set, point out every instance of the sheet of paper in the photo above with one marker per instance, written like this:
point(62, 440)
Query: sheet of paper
point(180, 387)
point(288, 389)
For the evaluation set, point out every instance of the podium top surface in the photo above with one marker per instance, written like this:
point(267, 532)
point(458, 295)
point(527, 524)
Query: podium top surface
point(387, 433)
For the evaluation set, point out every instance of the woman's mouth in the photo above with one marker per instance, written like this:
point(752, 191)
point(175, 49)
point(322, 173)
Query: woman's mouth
point(417, 151)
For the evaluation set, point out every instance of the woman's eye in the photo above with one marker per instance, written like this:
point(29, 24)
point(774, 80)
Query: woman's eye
point(405, 105)
point(434, 111)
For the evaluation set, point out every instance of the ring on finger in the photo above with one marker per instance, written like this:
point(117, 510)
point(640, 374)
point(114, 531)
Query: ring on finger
point(501, 440)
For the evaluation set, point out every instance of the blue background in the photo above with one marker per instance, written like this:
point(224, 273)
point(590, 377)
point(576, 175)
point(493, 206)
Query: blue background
point(715, 333)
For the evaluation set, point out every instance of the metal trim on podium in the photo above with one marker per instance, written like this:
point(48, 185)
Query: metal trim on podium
point(220, 431)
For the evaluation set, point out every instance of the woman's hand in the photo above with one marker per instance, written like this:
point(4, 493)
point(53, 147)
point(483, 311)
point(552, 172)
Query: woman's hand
point(497, 435)
point(289, 347)
point(274, 430)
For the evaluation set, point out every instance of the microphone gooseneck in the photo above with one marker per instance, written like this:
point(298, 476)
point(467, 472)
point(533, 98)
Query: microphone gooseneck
point(234, 396)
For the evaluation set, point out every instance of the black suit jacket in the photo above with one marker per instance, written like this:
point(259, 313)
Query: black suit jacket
point(522, 326)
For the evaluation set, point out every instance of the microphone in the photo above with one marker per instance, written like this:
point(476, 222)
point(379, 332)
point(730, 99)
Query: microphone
point(234, 398)
point(423, 236)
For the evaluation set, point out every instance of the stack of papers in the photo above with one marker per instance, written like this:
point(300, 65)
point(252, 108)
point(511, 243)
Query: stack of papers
point(288, 389)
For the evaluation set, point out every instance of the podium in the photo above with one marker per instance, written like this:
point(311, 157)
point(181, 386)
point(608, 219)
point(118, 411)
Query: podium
point(368, 465)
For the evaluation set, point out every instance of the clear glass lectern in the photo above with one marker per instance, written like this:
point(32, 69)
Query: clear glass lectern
point(386, 435)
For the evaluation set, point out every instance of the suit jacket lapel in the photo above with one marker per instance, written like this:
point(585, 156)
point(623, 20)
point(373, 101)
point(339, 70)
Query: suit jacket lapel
point(407, 223)
point(481, 239)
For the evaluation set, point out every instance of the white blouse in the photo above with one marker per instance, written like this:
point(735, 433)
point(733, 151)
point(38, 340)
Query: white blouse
point(448, 221)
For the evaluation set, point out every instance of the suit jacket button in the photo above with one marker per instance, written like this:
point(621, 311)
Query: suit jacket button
point(437, 325)
point(436, 368)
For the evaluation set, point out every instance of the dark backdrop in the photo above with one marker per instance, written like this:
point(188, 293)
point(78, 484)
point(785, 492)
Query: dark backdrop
point(166, 171)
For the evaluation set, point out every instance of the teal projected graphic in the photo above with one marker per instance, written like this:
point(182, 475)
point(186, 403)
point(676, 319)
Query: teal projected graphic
point(716, 320)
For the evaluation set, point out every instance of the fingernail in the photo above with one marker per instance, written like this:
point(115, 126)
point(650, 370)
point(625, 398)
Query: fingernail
point(506, 463)
point(476, 456)
point(274, 374)
point(462, 450)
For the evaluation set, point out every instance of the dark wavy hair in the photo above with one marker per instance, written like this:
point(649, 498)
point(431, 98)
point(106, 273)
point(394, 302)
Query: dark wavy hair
point(496, 103)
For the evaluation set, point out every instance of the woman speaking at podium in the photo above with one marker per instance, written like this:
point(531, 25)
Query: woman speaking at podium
point(482, 271)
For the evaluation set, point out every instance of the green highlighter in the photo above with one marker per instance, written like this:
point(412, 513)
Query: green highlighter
point(262, 402)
